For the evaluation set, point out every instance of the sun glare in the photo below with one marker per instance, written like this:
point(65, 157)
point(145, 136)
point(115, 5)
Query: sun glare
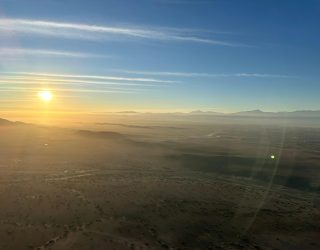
point(45, 95)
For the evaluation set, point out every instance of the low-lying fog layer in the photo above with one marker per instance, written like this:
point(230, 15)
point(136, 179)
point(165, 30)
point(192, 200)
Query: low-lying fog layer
point(173, 185)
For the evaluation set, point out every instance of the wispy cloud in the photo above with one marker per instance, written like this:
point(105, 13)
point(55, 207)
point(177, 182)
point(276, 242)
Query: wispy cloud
point(36, 89)
point(91, 77)
point(12, 84)
point(262, 75)
point(195, 74)
point(61, 81)
point(97, 32)
point(17, 52)
point(72, 83)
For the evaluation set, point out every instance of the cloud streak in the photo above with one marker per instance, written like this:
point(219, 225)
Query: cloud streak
point(61, 81)
point(17, 52)
point(98, 32)
point(5, 84)
point(33, 82)
point(36, 89)
point(209, 75)
point(90, 77)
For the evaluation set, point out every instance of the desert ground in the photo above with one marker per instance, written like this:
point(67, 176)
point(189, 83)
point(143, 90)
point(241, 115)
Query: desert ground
point(154, 185)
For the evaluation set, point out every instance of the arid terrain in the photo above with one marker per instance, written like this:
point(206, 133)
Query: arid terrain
point(177, 185)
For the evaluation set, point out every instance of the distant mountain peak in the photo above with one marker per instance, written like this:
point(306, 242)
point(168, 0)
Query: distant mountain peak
point(196, 111)
point(256, 111)
point(202, 112)
point(127, 112)
point(5, 122)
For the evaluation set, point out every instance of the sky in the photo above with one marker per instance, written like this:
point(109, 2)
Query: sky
point(159, 55)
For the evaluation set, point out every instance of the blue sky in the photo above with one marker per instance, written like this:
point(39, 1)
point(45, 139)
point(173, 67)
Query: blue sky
point(221, 55)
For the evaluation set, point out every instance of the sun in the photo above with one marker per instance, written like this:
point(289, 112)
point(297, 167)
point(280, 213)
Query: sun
point(45, 95)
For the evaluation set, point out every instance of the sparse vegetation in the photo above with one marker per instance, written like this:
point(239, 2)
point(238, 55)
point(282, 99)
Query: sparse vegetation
point(62, 189)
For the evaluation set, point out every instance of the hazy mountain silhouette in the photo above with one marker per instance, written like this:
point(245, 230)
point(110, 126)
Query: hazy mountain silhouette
point(298, 113)
point(257, 112)
point(4, 122)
